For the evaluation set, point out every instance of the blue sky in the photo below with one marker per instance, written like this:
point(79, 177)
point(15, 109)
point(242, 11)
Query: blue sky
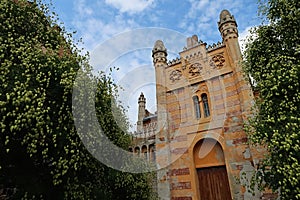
point(97, 21)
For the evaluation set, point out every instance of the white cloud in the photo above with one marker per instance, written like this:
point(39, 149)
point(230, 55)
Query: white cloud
point(203, 15)
point(131, 6)
point(82, 8)
point(243, 37)
point(131, 52)
point(197, 6)
point(94, 28)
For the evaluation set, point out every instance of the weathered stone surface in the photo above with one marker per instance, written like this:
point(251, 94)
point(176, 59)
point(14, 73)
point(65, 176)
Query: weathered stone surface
point(181, 198)
point(240, 140)
point(179, 151)
point(269, 196)
point(247, 153)
point(179, 172)
point(181, 138)
point(181, 186)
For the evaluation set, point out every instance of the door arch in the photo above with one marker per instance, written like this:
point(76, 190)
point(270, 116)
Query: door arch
point(211, 170)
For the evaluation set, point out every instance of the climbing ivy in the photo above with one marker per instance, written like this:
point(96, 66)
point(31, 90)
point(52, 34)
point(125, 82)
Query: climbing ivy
point(42, 157)
point(273, 60)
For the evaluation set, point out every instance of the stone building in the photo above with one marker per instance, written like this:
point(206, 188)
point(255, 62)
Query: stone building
point(144, 141)
point(197, 139)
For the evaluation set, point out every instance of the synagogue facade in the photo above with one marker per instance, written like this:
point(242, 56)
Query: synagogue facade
point(196, 137)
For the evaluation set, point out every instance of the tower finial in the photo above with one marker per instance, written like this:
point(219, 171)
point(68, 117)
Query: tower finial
point(142, 98)
point(159, 52)
point(227, 25)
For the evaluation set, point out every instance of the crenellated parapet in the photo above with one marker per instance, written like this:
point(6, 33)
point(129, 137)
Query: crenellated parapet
point(215, 46)
point(197, 62)
point(193, 55)
point(174, 61)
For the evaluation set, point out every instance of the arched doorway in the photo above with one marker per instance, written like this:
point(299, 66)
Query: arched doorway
point(211, 170)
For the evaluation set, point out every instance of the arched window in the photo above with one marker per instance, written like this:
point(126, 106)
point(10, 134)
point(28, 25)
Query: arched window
point(144, 151)
point(205, 105)
point(197, 107)
point(152, 152)
point(137, 150)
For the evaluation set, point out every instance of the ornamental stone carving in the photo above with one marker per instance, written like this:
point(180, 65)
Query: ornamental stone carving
point(203, 89)
point(175, 75)
point(217, 61)
point(195, 69)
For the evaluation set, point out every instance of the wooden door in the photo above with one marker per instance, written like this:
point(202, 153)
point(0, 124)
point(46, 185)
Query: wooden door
point(213, 183)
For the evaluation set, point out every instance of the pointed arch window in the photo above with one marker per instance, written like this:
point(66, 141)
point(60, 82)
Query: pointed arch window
point(205, 105)
point(197, 107)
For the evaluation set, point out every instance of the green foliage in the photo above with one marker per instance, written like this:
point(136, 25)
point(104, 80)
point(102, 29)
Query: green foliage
point(42, 157)
point(273, 60)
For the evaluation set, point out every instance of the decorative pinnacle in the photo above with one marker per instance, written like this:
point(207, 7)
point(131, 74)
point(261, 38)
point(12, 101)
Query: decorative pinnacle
point(227, 25)
point(225, 16)
point(142, 98)
point(159, 47)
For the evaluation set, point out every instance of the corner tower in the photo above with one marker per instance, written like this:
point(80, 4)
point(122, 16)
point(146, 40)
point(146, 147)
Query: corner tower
point(229, 32)
point(159, 55)
point(227, 25)
point(142, 112)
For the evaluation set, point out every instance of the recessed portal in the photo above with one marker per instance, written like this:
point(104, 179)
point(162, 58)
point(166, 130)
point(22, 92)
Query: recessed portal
point(211, 170)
